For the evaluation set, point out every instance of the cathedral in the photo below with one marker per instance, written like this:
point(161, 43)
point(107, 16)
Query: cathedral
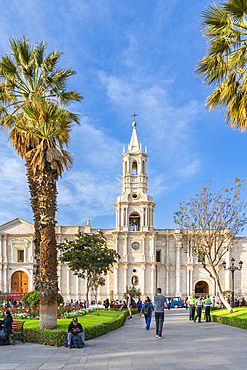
point(150, 257)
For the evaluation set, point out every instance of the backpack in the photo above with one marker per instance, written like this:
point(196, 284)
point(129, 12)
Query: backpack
point(147, 310)
point(65, 342)
point(132, 301)
point(78, 343)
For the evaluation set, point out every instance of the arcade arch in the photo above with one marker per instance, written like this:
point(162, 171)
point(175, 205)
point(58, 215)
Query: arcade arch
point(201, 288)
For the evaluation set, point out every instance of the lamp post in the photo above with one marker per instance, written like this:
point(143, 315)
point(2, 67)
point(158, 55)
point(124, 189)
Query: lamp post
point(232, 268)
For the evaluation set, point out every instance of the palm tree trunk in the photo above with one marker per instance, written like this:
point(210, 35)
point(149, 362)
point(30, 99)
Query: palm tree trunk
point(34, 205)
point(47, 284)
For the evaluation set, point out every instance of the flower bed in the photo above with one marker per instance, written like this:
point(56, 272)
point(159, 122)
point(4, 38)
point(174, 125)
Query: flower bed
point(19, 312)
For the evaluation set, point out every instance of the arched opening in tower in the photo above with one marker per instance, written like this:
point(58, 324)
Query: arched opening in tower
point(134, 168)
point(134, 222)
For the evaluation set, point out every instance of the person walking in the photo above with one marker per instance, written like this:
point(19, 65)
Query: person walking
point(192, 305)
point(147, 311)
point(168, 304)
point(130, 305)
point(198, 309)
point(160, 304)
point(139, 306)
point(207, 304)
point(186, 302)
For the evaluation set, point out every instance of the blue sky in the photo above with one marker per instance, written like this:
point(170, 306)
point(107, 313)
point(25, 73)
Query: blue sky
point(129, 56)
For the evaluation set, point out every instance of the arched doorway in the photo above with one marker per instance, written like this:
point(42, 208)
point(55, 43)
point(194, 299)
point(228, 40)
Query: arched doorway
point(19, 282)
point(201, 288)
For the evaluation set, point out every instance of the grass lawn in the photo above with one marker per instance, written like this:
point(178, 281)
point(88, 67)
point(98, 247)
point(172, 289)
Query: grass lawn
point(238, 312)
point(89, 319)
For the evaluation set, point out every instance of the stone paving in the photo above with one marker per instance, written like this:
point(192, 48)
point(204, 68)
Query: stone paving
point(185, 345)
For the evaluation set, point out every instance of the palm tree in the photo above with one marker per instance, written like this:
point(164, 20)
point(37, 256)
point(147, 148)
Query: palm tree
point(26, 76)
point(49, 127)
point(225, 65)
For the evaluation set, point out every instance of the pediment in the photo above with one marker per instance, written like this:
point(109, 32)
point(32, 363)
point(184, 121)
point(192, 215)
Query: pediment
point(17, 226)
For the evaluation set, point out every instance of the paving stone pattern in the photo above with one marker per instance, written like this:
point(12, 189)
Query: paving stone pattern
point(185, 345)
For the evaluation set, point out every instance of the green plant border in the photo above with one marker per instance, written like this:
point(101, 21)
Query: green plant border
point(55, 337)
point(230, 320)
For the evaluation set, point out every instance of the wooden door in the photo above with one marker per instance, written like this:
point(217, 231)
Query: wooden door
point(19, 282)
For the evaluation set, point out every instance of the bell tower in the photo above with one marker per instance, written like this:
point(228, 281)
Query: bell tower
point(134, 207)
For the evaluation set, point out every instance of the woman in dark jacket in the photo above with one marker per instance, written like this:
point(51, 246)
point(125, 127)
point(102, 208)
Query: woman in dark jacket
point(7, 322)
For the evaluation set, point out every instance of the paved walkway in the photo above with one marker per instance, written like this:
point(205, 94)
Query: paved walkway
point(185, 345)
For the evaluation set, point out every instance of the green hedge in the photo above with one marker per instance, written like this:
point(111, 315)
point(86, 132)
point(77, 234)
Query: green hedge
point(232, 321)
point(55, 337)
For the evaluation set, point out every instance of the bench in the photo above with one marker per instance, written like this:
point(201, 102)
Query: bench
point(17, 331)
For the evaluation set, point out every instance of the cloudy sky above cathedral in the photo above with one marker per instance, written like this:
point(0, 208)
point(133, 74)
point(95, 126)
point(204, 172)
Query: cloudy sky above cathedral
point(129, 56)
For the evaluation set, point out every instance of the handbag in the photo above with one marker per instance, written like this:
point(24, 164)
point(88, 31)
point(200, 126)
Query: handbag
point(3, 333)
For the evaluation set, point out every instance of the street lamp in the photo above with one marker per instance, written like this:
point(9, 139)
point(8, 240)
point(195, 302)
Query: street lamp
point(232, 268)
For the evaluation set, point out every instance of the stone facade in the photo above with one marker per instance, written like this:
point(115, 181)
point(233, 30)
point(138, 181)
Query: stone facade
point(150, 257)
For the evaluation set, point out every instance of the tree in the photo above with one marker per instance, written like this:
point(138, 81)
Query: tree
point(208, 225)
point(50, 127)
point(88, 255)
point(224, 65)
point(95, 282)
point(135, 293)
point(27, 77)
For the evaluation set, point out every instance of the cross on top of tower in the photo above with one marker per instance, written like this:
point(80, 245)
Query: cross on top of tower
point(134, 115)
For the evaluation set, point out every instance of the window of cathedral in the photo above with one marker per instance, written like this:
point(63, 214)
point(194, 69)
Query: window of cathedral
point(134, 168)
point(134, 196)
point(134, 222)
point(158, 256)
point(135, 280)
point(20, 255)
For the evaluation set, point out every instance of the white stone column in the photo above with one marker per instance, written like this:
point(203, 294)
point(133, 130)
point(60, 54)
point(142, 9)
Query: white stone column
point(152, 251)
point(1, 248)
point(178, 267)
point(153, 280)
point(122, 217)
point(59, 277)
point(1, 277)
point(125, 248)
point(31, 251)
point(126, 217)
point(108, 290)
point(125, 270)
point(115, 281)
point(143, 247)
point(188, 284)
point(5, 279)
point(5, 242)
point(167, 280)
point(143, 280)
point(68, 282)
point(191, 281)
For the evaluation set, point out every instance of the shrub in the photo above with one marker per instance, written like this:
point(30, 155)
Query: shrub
point(55, 337)
point(230, 320)
point(33, 298)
